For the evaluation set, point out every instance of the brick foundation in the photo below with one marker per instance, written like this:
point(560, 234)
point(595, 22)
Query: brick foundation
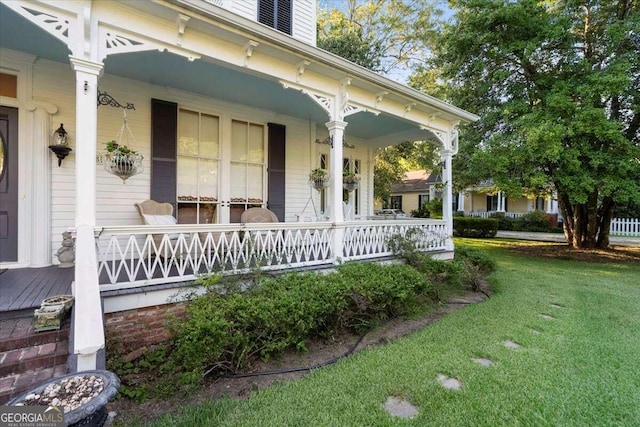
point(131, 330)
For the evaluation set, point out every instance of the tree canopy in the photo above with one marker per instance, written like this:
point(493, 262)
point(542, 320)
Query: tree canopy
point(557, 87)
point(389, 37)
point(386, 36)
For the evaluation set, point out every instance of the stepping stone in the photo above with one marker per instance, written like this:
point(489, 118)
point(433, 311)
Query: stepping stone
point(557, 306)
point(547, 317)
point(511, 344)
point(449, 383)
point(535, 331)
point(483, 361)
point(397, 407)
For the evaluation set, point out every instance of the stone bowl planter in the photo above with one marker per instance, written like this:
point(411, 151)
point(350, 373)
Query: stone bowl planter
point(96, 388)
point(47, 318)
point(66, 300)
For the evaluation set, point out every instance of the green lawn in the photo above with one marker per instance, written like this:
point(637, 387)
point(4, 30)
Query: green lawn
point(582, 369)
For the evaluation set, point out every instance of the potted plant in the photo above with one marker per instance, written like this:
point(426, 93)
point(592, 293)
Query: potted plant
point(350, 181)
point(81, 395)
point(319, 178)
point(122, 160)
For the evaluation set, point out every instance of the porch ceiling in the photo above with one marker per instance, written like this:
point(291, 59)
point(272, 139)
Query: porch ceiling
point(206, 77)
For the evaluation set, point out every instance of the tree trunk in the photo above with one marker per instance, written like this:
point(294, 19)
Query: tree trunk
point(605, 215)
point(586, 225)
point(567, 215)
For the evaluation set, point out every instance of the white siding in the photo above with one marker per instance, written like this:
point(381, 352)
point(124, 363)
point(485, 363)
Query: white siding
point(304, 21)
point(245, 8)
point(54, 82)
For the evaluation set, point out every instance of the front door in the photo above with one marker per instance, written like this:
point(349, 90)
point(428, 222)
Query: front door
point(8, 184)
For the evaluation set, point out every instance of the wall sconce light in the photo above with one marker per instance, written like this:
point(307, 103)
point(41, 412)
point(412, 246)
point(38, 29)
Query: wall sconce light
point(60, 144)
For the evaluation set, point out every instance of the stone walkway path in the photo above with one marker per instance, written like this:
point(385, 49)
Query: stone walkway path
point(401, 408)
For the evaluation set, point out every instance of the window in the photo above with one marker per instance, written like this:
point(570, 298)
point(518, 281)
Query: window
point(247, 167)
point(395, 202)
point(276, 14)
point(540, 204)
point(492, 203)
point(422, 199)
point(454, 202)
point(198, 160)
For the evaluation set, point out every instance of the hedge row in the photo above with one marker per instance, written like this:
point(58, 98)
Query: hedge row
point(474, 227)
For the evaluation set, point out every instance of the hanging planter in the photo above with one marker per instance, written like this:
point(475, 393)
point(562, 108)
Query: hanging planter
point(319, 179)
point(120, 160)
point(350, 181)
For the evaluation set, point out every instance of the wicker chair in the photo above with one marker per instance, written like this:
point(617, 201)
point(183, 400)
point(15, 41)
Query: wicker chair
point(156, 213)
point(258, 215)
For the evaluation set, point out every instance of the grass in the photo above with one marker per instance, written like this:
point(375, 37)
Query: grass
point(582, 369)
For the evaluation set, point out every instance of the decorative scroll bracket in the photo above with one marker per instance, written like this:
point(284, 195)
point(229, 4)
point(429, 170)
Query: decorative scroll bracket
point(105, 99)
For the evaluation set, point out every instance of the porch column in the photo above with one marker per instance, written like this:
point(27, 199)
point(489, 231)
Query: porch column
point(500, 202)
point(88, 336)
point(549, 205)
point(447, 196)
point(336, 132)
point(461, 201)
point(40, 126)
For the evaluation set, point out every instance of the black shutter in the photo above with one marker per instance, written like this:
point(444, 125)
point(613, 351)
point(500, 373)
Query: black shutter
point(489, 203)
point(164, 134)
point(276, 14)
point(283, 16)
point(276, 169)
point(266, 12)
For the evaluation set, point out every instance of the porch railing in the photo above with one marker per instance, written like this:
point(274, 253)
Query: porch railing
point(490, 214)
point(134, 256)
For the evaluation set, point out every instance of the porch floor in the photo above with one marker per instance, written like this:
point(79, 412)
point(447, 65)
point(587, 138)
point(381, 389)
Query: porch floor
point(23, 289)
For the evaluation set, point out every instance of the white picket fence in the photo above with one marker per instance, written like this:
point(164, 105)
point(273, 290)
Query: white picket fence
point(625, 227)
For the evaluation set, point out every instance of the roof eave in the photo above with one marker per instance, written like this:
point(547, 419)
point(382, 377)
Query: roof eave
point(327, 59)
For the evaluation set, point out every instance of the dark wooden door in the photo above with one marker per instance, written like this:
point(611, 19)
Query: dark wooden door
point(8, 184)
point(276, 172)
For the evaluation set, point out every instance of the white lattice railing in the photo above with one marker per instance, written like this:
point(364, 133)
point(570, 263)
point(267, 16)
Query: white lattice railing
point(369, 239)
point(625, 227)
point(492, 213)
point(134, 256)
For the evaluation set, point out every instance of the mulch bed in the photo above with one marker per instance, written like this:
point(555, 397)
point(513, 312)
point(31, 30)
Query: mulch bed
point(617, 254)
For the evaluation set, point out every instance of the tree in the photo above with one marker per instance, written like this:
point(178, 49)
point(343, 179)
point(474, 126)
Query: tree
point(557, 86)
point(386, 36)
point(392, 163)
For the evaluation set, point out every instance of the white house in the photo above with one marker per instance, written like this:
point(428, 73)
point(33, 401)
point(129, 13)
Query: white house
point(231, 106)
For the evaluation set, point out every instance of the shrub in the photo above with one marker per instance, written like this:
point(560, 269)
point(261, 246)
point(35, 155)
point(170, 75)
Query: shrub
point(474, 227)
point(378, 291)
point(504, 222)
point(434, 207)
point(476, 257)
point(534, 221)
point(420, 213)
point(225, 332)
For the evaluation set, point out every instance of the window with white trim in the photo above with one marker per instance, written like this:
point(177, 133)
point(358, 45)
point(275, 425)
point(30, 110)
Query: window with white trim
point(247, 178)
point(198, 163)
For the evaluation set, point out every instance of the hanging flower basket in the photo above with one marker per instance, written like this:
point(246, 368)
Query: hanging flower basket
point(120, 160)
point(123, 166)
point(350, 181)
point(319, 179)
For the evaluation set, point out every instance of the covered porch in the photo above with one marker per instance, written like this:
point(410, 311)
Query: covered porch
point(201, 61)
